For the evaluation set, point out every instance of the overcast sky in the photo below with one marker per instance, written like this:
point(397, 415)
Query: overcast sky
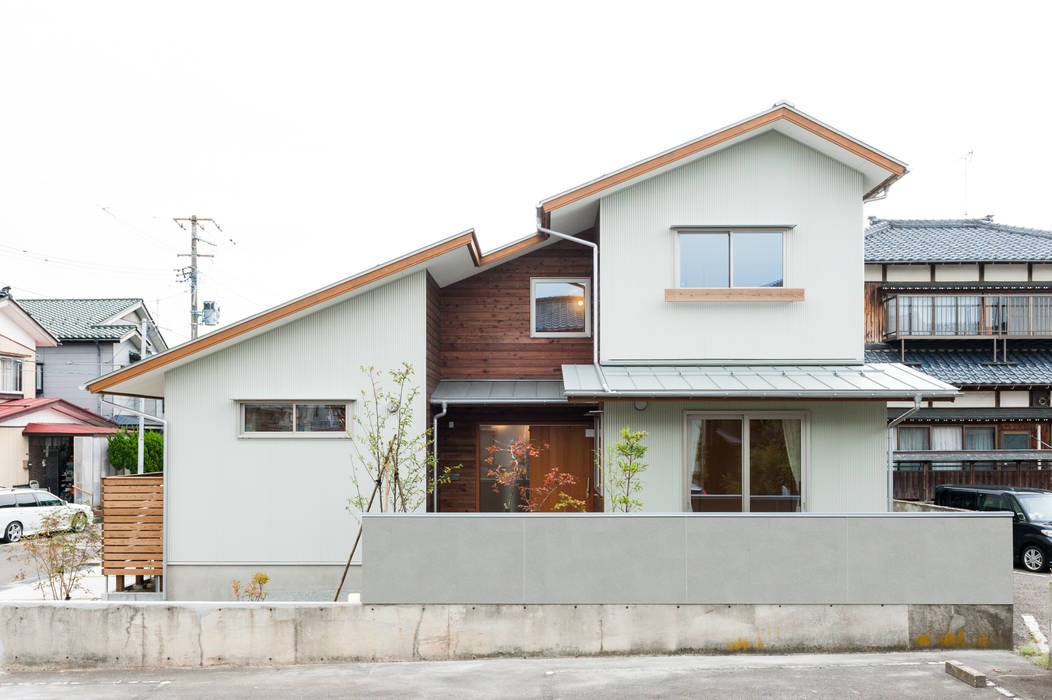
point(327, 137)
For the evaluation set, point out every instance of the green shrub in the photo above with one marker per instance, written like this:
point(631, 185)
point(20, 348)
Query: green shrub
point(124, 451)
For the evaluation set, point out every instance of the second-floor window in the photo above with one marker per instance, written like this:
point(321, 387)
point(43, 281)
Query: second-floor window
point(721, 259)
point(295, 418)
point(560, 307)
point(10, 375)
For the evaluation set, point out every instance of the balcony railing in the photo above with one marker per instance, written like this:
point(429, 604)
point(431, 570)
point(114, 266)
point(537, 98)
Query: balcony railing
point(968, 316)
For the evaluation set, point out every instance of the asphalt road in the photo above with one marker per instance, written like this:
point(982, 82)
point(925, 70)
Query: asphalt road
point(919, 675)
point(1032, 597)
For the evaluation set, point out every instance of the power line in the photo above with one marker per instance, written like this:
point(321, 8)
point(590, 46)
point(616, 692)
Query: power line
point(190, 273)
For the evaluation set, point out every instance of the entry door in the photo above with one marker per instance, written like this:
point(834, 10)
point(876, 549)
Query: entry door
point(570, 450)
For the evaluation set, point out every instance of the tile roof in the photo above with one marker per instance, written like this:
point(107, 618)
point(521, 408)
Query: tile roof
point(80, 319)
point(954, 240)
point(971, 367)
point(555, 314)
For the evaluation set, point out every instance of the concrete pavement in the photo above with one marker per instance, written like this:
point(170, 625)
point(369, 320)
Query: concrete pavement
point(1032, 597)
point(917, 674)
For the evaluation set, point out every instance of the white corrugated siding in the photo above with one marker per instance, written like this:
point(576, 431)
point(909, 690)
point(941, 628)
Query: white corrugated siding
point(280, 500)
point(765, 181)
point(848, 450)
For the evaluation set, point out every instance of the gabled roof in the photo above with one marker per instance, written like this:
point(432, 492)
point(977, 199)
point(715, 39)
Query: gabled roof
point(973, 367)
point(574, 209)
point(448, 261)
point(954, 241)
point(40, 335)
point(11, 409)
point(82, 319)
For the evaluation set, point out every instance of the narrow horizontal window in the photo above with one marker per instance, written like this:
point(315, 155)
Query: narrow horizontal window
point(731, 259)
point(279, 418)
point(560, 307)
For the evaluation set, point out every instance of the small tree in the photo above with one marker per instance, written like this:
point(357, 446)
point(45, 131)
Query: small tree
point(622, 473)
point(253, 591)
point(388, 450)
point(549, 493)
point(57, 561)
point(124, 451)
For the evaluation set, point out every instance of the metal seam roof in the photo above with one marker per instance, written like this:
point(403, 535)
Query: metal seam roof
point(883, 380)
point(489, 391)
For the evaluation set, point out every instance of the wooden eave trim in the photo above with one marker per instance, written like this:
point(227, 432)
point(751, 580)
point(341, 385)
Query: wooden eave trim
point(736, 294)
point(719, 137)
point(467, 239)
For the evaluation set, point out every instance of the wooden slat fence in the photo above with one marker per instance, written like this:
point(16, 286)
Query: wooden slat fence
point(919, 484)
point(132, 522)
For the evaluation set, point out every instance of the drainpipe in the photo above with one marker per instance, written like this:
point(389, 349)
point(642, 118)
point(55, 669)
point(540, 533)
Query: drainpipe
point(434, 446)
point(164, 477)
point(891, 449)
point(595, 294)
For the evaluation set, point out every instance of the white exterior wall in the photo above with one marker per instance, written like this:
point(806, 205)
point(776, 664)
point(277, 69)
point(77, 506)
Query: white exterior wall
point(956, 273)
point(848, 451)
point(909, 273)
point(1042, 273)
point(1004, 272)
point(1015, 398)
point(263, 501)
point(874, 273)
point(976, 399)
point(769, 180)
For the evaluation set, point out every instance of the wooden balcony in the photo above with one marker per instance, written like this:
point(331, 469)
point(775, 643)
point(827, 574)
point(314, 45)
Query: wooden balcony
point(918, 472)
point(945, 316)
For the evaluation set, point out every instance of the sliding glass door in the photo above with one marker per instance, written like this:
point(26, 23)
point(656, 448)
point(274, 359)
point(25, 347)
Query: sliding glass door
point(746, 462)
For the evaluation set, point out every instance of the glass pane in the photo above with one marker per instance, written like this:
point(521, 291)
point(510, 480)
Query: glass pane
point(979, 438)
point(504, 467)
point(1015, 441)
point(945, 316)
point(1042, 315)
point(912, 439)
point(46, 499)
point(757, 260)
point(716, 473)
point(704, 260)
point(268, 418)
point(7, 500)
point(946, 437)
point(559, 307)
point(321, 418)
point(774, 465)
point(992, 501)
point(969, 315)
point(917, 315)
point(26, 500)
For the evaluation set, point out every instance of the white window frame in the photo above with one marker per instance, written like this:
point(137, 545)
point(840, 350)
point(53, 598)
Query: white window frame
point(19, 379)
point(587, 333)
point(729, 232)
point(745, 416)
point(327, 435)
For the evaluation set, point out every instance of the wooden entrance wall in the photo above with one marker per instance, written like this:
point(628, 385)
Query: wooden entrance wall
point(919, 484)
point(132, 527)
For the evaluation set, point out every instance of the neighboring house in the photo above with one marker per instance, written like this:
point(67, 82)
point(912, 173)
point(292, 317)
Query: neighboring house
point(48, 440)
point(98, 336)
point(968, 301)
point(723, 320)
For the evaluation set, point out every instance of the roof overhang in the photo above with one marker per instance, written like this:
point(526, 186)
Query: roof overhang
point(796, 382)
point(498, 391)
point(66, 429)
point(40, 335)
point(575, 209)
point(447, 261)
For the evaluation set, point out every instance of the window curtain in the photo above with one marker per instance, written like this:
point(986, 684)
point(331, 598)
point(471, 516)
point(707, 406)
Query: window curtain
point(793, 448)
point(946, 437)
point(913, 439)
point(980, 439)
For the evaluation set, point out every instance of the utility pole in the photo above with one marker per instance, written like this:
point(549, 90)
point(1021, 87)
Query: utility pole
point(191, 273)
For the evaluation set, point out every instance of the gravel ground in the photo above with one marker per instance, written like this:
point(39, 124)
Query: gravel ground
point(1032, 597)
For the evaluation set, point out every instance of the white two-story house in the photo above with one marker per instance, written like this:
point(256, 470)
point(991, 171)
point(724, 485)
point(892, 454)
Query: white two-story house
point(708, 295)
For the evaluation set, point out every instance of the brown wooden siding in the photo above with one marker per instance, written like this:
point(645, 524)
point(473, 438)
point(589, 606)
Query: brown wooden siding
point(874, 311)
point(458, 445)
point(434, 342)
point(485, 320)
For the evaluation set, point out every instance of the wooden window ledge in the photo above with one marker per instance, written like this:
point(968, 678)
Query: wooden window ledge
point(736, 294)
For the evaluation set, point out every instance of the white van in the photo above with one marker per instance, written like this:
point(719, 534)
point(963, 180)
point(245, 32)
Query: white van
point(22, 512)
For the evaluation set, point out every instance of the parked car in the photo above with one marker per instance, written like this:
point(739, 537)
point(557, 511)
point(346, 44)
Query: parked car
point(1032, 531)
point(23, 512)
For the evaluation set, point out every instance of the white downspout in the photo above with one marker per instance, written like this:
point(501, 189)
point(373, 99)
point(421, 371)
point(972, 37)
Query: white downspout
point(434, 467)
point(891, 449)
point(164, 472)
point(595, 294)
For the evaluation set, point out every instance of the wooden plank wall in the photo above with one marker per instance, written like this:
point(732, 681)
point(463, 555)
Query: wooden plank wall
point(457, 445)
point(874, 313)
point(132, 522)
point(485, 319)
point(434, 338)
point(920, 485)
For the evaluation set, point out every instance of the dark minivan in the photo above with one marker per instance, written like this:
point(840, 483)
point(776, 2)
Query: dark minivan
point(1032, 532)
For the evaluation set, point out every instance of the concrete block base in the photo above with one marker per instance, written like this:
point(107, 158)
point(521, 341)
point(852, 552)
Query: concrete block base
point(154, 634)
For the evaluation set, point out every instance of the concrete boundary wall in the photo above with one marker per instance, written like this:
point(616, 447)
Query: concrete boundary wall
point(688, 558)
point(156, 634)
